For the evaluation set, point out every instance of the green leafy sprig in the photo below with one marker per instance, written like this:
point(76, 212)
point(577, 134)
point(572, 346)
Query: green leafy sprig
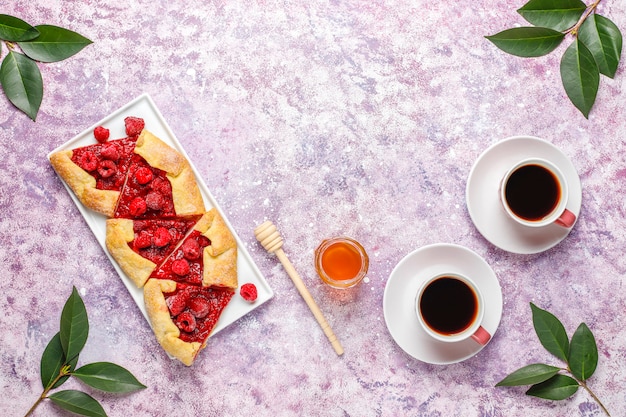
point(596, 48)
point(552, 382)
point(19, 74)
point(59, 361)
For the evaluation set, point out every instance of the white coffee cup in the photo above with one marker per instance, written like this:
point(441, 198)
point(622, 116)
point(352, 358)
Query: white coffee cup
point(450, 308)
point(534, 193)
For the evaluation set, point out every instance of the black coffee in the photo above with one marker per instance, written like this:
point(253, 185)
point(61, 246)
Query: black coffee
point(448, 305)
point(532, 192)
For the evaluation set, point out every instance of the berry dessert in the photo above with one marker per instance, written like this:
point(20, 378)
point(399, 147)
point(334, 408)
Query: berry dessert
point(158, 231)
point(138, 176)
point(207, 256)
point(139, 246)
point(183, 316)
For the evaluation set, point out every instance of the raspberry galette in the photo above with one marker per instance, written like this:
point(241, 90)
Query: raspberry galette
point(183, 316)
point(139, 176)
point(207, 256)
point(158, 231)
point(139, 246)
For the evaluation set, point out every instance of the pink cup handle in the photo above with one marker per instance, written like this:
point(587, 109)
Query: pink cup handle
point(482, 336)
point(566, 219)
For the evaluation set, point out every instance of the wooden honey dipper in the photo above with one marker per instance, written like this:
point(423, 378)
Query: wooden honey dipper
point(267, 234)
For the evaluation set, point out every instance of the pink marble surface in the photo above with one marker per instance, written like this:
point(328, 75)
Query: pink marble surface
point(341, 117)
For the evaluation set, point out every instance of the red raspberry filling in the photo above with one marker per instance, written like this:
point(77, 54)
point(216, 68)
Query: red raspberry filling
point(199, 307)
point(97, 159)
point(178, 302)
point(186, 322)
point(196, 310)
point(144, 175)
point(88, 161)
point(162, 237)
point(150, 185)
point(156, 239)
point(137, 207)
point(191, 249)
point(248, 292)
point(180, 267)
point(107, 168)
point(109, 151)
point(155, 201)
point(143, 240)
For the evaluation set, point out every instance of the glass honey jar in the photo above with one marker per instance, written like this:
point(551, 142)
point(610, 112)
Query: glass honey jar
point(341, 262)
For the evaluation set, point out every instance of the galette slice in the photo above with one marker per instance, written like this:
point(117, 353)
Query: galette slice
point(183, 316)
point(207, 256)
point(139, 246)
point(96, 173)
point(160, 183)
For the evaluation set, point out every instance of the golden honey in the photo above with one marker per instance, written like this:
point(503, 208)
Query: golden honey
point(341, 262)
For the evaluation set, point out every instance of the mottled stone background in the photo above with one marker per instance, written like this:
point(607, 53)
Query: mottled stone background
point(337, 117)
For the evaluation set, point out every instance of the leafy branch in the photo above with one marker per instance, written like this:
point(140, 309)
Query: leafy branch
point(557, 383)
point(596, 48)
point(19, 74)
point(59, 361)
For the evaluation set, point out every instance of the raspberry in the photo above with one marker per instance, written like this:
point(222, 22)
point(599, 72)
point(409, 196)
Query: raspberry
point(139, 225)
point(154, 201)
point(199, 307)
point(137, 207)
point(143, 175)
point(177, 303)
point(101, 134)
point(88, 161)
point(186, 322)
point(162, 237)
point(109, 151)
point(191, 249)
point(167, 206)
point(203, 241)
point(143, 240)
point(107, 168)
point(248, 292)
point(134, 125)
point(160, 185)
point(180, 267)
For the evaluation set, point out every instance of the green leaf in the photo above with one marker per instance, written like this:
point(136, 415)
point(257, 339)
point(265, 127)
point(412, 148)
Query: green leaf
point(52, 361)
point(551, 332)
point(559, 387)
point(13, 29)
point(527, 42)
point(580, 76)
point(528, 375)
point(22, 83)
point(54, 44)
point(78, 402)
point(583, 353)
point(108, 377)
point(604, 40)
point(554, 14)
point(74, 325)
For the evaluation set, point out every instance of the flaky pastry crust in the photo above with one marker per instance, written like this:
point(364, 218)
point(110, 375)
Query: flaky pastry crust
point(220, 257)
point(165, 331)
point(119, 233)
point(83, 184)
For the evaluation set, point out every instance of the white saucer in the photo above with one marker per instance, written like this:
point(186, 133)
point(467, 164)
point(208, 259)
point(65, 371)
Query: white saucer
point(483, 201)
point(401, 289)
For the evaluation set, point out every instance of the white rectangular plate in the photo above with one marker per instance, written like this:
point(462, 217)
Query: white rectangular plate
point(247, 271)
